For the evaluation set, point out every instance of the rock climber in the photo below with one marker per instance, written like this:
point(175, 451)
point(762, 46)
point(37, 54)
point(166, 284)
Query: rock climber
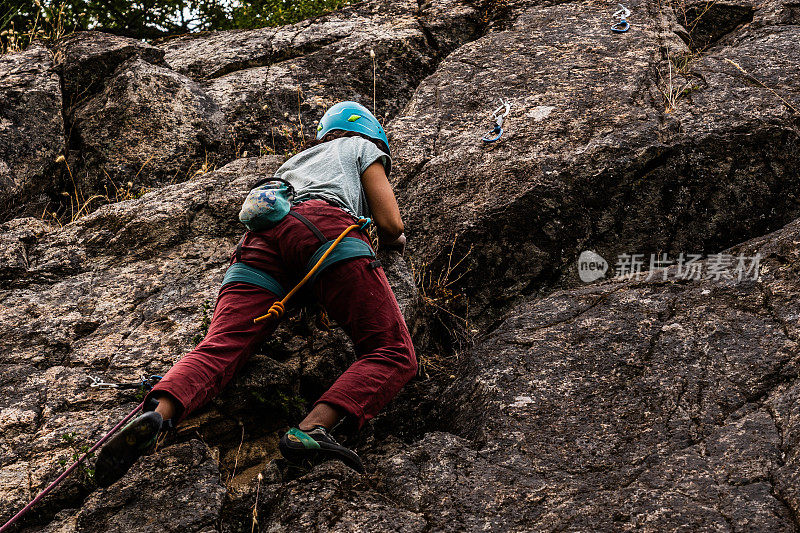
point(340, 179)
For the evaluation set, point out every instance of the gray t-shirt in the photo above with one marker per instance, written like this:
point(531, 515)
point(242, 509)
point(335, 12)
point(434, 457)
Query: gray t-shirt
point(332, 171)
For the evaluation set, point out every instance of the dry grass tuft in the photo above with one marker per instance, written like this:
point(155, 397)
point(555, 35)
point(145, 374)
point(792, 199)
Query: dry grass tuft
point(688, 19)
point(437, 288)
point(448, 310)
point(255, 505)
point(236, 461)
point(48, 26)
point(673, 89)
point(782, 99)
point(76, 204)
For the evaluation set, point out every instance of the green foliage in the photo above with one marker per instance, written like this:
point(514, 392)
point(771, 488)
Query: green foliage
point(77, 452)
point(222, 15)
point(24, 20)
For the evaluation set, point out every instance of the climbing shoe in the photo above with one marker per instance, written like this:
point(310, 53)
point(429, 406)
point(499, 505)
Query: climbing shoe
point(308, 448)
point(124, 448)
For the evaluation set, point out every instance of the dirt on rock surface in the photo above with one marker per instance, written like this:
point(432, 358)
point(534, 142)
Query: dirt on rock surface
point(656, 403)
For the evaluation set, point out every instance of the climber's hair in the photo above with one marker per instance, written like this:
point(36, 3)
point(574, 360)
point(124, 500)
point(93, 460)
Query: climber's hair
point(337, 134)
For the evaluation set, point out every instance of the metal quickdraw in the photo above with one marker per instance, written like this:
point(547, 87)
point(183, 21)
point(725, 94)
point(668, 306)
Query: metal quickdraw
point(145, 383)
point(97, 383)
point(622, 25)
point(497, 132)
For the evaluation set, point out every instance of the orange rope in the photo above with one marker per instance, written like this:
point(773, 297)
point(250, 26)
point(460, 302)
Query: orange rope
point(279, 308)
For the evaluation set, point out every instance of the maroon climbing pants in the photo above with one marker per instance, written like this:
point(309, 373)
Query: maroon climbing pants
point(354, 294)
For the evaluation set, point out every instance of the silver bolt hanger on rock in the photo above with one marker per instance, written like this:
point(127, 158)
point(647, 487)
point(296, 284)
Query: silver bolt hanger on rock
point(497, 116)
point(622, 14)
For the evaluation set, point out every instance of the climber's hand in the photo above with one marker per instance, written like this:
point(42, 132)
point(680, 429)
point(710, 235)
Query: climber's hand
point(398, 244)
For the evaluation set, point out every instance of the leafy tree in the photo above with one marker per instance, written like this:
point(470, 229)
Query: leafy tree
point(23, 20)
point(220, 14)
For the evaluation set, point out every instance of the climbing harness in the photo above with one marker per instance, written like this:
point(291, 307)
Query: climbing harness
point(326, 255)
point(622, 25)
point(347, 248)
point(146, 383)
point(329, 253)
point(497, 132)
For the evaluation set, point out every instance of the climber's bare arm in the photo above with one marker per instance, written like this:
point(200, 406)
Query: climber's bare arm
point(383, 205)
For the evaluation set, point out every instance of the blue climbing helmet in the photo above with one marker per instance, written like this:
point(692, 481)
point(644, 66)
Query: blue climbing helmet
point(351, 116)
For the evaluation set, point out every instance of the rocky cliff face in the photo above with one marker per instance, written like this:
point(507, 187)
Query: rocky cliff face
point(542, 403)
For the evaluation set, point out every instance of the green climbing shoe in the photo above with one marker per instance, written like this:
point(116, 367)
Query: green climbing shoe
point(307, 448)
point(124, 448)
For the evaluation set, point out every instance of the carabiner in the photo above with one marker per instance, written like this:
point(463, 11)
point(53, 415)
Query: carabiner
point(497, 132)
point(620, 27)
point(623, 25)
point(623, 12)
point(145, 383)
point(98, 383)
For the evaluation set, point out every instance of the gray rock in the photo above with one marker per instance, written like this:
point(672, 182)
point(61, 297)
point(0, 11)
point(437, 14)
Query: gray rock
point(31, 131)
point(755, 102)
point(148, 126)
point(273, 85)
point(211, 55)
point(608, 146)
point(133, 123)
point(704, 25)
point(661, 404)
point(176, 489)
point(86, 58)
point(627, 405)
point(322, 501)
